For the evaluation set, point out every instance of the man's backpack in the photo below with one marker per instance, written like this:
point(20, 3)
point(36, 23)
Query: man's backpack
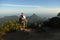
point(20, 19)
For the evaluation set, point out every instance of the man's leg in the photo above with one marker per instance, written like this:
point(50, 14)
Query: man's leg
point(22, 27)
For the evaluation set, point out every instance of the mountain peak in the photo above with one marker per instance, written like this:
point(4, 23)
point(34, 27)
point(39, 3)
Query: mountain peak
point(34, 15)
point(33, 18)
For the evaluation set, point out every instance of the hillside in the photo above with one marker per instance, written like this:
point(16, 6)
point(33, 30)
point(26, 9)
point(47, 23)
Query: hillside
point(47, 31)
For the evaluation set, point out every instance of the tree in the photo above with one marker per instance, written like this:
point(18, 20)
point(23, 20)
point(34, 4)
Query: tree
point(54, 22)
point(58, 14)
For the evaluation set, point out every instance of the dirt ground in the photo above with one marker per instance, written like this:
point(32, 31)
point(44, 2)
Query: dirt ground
point(53, 34)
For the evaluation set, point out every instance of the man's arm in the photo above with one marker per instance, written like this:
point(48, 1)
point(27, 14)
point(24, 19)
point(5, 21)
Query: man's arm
point(25, 18)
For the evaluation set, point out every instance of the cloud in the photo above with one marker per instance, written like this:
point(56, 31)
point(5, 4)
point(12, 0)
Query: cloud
point(14, 5)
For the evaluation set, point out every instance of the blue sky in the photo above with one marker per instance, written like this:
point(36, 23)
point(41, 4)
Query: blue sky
point(29, 6)
point(45, 3)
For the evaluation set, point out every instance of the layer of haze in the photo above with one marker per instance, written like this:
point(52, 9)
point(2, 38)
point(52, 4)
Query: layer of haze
point(41, 7)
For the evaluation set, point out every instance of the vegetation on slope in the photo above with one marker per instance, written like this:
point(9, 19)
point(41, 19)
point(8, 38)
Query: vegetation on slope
point(11, 26)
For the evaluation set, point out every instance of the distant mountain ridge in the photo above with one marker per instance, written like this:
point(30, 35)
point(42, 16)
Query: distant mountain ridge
point(32, 19)
point(8, 18)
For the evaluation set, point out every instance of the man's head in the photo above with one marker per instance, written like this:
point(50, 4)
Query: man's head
point(22, 13)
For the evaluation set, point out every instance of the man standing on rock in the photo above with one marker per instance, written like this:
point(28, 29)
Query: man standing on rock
point(23, 20)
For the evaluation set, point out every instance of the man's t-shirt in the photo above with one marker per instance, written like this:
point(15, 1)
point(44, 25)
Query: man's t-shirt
point(24, 17)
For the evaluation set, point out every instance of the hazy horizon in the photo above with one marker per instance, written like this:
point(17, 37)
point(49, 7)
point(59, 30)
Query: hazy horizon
point(42, 15)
